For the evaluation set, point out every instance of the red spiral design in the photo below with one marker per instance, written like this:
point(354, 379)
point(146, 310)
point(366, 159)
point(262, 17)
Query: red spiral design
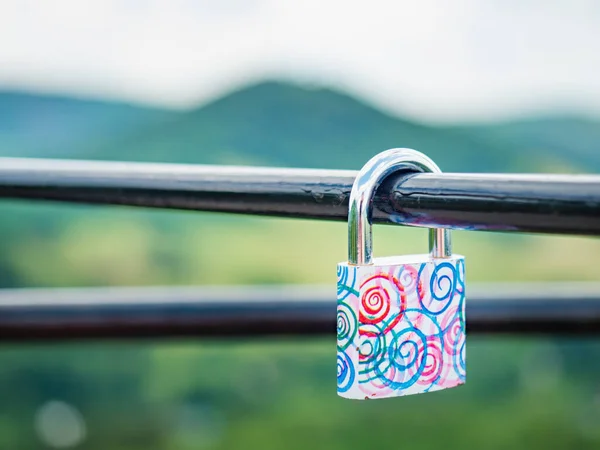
point(434, 362)
point(376, 303)
point(453, 329)
point(453, 336)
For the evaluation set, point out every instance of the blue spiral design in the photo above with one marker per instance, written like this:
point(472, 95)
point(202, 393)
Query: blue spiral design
point(460, 270)
point(347, 325)
point(346, 280)
point(442, 287)
point(345, 372)
point(460, 287)
point(373, 345)
point(459, 360)
point(404, 355)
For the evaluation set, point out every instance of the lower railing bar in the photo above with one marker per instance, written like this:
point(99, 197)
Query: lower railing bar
point(116, 313)
point(530, 203)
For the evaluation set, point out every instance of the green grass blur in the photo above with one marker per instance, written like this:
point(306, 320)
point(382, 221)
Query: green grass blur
point(520, 394)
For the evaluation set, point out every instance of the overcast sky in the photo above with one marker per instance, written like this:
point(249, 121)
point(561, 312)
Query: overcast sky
point(438, 60)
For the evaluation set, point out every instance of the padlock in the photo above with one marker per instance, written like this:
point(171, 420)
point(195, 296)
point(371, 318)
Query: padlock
point(400, 319)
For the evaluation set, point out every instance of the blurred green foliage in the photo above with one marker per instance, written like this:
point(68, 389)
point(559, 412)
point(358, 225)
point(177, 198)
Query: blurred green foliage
point(51, 245)
point(521, 394)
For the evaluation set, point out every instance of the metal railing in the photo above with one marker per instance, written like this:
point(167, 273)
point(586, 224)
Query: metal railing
point(513, 203)
point(527, 203)
point(67, 314)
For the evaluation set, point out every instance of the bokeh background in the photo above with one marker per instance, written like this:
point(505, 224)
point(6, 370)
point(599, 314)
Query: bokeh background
point(480, 86)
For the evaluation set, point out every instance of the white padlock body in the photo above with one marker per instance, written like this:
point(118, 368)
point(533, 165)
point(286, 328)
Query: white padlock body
point(400, 326)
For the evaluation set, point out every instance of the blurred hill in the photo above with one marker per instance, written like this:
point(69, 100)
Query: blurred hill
point(278, 124)
point(574, 141)
point(35, 125)
point(285, 125)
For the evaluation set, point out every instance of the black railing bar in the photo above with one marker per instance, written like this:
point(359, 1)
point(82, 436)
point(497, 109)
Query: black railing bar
point(67, 172)
point(117, 295)
point(110, 296)
point(70, 172)
point(511, 202)
point(117, 313)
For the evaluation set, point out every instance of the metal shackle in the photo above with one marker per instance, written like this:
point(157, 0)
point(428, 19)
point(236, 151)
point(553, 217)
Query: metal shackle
point(370, 177)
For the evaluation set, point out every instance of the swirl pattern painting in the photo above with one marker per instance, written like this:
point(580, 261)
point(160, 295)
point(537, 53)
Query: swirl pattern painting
point(400, 326)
